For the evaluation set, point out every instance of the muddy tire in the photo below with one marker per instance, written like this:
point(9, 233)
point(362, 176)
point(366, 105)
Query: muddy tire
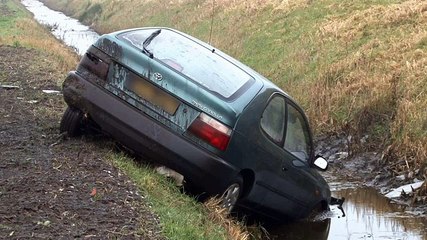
point(72, 122)
point(232, 194)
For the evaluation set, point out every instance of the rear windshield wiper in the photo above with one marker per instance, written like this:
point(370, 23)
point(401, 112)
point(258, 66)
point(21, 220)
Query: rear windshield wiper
point(148, 41)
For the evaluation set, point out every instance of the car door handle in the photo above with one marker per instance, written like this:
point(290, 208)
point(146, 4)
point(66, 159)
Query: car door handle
point(284, 169)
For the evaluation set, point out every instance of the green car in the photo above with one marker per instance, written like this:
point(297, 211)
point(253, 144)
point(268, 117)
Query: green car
point(224, 127)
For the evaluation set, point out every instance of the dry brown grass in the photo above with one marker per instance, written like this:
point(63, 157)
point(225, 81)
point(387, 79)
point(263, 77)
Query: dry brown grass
point(35, 36)
point(235, 230)
point(385, 78)
point(353, 26)
point(257, 5)
point(194, 11)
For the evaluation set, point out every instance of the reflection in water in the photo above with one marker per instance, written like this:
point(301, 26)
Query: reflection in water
point(369, 215)
point(372, 216)
point(302, 230)
point(67, 29)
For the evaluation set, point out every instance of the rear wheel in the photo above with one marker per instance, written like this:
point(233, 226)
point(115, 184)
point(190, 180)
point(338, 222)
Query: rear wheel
point(72, 122)
point(232, 194)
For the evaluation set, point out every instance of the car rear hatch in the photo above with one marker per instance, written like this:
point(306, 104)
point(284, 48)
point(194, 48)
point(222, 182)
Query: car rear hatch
point(180, 81)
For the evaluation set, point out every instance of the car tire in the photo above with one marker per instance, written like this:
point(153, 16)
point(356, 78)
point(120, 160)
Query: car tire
point(71, 122)
point(232, 194)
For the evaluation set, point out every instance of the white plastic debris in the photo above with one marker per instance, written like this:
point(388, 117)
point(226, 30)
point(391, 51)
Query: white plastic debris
point(7, 87)
point(177, 177)
point(51, 91)
point(401, 177)
point(409, 188)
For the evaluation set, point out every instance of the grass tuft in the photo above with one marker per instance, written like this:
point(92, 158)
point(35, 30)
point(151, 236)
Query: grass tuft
point(218, 214)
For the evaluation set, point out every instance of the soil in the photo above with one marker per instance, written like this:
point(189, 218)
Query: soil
point(52, 187)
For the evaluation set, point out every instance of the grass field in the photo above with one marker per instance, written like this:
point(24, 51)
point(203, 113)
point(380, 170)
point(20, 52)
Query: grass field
point(357, 67)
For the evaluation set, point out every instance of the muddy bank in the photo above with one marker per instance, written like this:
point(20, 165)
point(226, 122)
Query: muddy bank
point(369, 168)
point(51, 187)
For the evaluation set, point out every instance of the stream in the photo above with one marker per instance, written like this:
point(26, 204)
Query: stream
point(69, 30)
point(366, 214)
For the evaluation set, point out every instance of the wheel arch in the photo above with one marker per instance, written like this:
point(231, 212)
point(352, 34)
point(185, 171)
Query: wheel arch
point(248, 181)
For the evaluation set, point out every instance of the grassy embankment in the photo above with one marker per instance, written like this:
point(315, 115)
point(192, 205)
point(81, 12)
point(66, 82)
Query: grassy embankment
point(181, 216)
point(356, 66)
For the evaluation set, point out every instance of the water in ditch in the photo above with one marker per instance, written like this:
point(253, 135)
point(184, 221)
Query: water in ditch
point(69, 30)
point(366, 214)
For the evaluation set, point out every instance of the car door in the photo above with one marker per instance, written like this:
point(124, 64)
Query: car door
point(288, 151)
point(276, 176)
point(298, 154)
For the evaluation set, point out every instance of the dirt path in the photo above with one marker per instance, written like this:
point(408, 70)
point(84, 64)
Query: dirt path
point(52, 188)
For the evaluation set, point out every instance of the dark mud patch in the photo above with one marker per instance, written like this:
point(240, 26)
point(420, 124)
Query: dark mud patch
point(51, 187)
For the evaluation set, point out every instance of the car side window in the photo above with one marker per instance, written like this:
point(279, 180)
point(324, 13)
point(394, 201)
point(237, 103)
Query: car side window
point(273, 119)
point(297, 139)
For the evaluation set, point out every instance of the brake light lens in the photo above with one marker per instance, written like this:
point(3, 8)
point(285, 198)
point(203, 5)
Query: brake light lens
point(95, 62)
point(211, 131)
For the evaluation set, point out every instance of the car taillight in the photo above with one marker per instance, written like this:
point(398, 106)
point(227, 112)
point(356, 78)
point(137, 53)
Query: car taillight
point(211, 131)
point(95, 62)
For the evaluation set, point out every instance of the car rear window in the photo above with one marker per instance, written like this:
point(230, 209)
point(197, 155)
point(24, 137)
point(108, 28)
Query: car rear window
point(192, 59)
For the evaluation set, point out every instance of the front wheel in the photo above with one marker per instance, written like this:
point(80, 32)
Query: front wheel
point(232, 194)
point(72, 122)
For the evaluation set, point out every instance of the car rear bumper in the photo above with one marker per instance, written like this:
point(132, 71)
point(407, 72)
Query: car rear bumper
point(146, 136)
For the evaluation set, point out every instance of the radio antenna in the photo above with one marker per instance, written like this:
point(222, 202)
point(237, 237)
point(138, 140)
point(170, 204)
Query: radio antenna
point(212, 19)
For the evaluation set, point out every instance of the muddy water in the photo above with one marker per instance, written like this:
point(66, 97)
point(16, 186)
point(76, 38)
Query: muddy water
point(365, 215)
point(69, 30)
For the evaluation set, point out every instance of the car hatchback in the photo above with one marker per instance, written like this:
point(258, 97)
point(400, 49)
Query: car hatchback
point(224, 127)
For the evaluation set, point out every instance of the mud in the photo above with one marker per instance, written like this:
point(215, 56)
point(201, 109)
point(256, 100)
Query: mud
point(52, 187)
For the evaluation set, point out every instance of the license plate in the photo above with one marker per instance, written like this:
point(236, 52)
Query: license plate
point(154, 95)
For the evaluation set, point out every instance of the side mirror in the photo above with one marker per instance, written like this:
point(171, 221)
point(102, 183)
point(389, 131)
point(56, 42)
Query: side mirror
point(321, 163)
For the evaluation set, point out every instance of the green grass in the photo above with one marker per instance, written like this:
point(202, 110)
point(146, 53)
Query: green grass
point(10, 13)
point(181, 216)
point(91, 14)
